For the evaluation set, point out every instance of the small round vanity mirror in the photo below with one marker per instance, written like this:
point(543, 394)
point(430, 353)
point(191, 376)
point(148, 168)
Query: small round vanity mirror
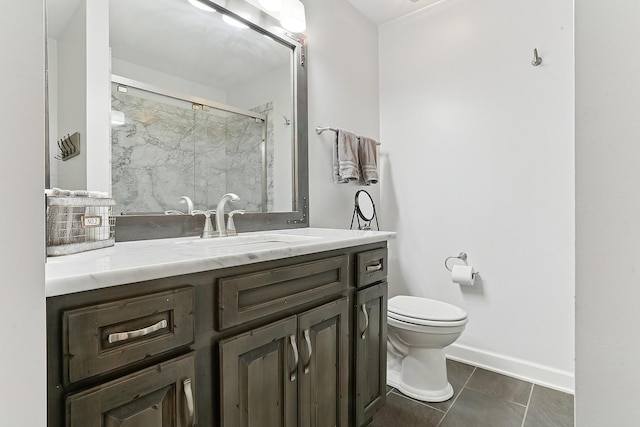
point(364, 205)
point(364, 209)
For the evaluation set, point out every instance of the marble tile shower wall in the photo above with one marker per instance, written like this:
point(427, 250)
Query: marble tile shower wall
point(166, 150)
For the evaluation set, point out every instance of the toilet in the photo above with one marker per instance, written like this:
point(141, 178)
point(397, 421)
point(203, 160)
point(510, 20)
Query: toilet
point(418, 331)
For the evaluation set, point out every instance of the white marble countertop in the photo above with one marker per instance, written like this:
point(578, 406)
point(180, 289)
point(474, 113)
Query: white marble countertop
point(129, 262)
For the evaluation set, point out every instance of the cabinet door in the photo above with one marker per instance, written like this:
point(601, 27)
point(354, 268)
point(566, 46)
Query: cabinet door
point(258, 378)
point(160, 396)
point(324, 358)
point(371, 351)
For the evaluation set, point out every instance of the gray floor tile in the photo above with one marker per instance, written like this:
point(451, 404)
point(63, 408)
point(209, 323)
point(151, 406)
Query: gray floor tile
point(400, 411)
point(475, 409)
point(549, 408)
point(501, 386)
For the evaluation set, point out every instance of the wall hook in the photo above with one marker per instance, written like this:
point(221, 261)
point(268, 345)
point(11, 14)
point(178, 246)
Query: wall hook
point(287, 122)
point(69, 146)
point(537, 60)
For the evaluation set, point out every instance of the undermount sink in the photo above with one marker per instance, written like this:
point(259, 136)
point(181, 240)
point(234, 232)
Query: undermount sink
point(219, 242)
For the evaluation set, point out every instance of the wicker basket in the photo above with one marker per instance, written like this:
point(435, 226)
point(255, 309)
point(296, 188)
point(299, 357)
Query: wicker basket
point(78, 224)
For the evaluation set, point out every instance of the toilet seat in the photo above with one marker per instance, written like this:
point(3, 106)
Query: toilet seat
point(425, 311)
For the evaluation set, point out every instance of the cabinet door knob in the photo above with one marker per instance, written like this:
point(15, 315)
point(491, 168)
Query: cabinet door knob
point(188, 394)
point(294, 346)
point(366, 321)
point(123, 336)
point(308, 340)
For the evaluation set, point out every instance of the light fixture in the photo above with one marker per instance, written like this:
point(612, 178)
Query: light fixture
point(233, 22)
point(271, 5)
point(117, 118)
point(292, 16)
point(201, 6)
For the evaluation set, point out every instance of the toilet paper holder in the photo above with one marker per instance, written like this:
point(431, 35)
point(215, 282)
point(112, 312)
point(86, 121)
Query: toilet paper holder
point(461, 256)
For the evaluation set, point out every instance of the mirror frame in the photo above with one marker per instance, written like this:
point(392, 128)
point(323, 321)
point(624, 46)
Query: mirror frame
point(144, 227)
point(363, 195)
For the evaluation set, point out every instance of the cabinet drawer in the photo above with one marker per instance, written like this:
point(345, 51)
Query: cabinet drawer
point(160, 396)
point(251, 296)
point(372, 267)
point(103, 337)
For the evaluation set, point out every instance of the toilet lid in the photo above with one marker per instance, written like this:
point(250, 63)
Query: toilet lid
point(424, 309)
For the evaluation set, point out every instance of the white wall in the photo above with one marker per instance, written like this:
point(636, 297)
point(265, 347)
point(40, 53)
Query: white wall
point(52, 79)
point(607, 213)
point(83, 100)
point(98, 137)
point(71, 105)
point(343, 92)
point(480, 159)
point(22, 359)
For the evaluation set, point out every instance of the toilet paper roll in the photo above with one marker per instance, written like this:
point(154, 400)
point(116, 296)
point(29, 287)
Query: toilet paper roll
point(463, 275)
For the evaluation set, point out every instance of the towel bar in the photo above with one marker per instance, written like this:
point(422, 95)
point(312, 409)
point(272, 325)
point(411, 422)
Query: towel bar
point(319, 130)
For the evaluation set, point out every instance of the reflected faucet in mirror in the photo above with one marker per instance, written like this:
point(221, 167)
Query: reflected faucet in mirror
point(183, 199)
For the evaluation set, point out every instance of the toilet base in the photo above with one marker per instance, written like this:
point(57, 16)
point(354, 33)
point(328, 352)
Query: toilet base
point(393, 380)
point(420, 374)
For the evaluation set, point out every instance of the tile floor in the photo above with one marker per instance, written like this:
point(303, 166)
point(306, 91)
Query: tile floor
point(481, 399)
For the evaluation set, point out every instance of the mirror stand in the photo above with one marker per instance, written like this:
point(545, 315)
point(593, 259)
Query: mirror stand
point(364, 209)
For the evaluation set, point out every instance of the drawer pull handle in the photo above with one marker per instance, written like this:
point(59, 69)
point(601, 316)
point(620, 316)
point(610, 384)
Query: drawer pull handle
point(188, 393)
point(308, 340)
point(372, 268)
point(294, 346)
point(123, 336)
point(366, 321)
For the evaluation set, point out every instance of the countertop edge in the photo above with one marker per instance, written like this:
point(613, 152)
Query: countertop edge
point(90, 279)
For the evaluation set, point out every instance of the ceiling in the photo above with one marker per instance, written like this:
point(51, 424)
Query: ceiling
point(381, 11)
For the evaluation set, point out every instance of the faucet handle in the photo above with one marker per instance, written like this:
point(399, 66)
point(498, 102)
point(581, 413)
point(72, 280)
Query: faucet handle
point(231, 226)
point(207, 213)
point(208, 230)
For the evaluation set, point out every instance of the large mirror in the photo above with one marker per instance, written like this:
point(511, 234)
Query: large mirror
point(196, 102)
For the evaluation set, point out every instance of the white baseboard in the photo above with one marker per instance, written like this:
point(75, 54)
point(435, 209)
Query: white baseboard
point(518, 368)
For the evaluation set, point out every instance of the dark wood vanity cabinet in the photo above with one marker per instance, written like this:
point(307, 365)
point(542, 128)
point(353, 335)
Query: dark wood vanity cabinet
point(278, 343)
point(290, 373)
point(370, 344)
point(371, 352)
point(160, 395)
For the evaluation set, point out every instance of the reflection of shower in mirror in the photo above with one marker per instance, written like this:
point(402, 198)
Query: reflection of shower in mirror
point(168, 149)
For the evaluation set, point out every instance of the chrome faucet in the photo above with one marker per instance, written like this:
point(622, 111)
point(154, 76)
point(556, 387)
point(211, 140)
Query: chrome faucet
point(229, 197)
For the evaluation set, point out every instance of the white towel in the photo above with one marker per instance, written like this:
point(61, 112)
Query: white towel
point(368, 159)
point(77, 193)
point(345, 157)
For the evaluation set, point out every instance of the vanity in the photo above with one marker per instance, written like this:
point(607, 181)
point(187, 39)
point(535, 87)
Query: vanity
point(285, 327)
point(282, 328)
